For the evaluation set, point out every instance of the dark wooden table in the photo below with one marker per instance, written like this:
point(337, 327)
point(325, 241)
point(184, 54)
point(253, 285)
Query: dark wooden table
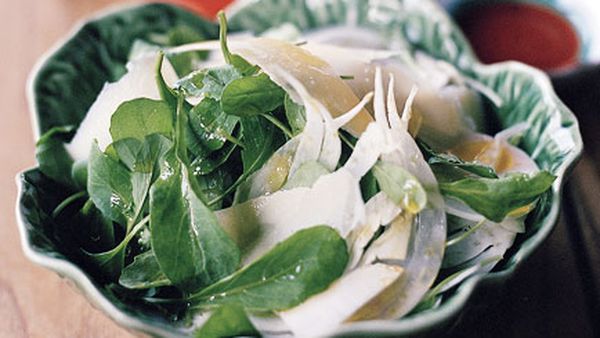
point(555, 293)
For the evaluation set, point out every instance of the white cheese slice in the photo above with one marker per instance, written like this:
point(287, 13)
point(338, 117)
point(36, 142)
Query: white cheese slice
point(259, 224)
point(139, 81)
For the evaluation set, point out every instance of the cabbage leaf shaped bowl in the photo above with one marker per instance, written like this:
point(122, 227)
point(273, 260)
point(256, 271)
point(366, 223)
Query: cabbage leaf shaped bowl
point(67, 80)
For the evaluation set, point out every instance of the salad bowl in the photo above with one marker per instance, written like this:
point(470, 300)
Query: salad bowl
point(98, 50)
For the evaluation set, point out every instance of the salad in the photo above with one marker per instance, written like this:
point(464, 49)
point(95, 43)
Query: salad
point(288, 184)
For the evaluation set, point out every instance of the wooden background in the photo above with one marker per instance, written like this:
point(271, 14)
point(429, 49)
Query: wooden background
point(554, 294)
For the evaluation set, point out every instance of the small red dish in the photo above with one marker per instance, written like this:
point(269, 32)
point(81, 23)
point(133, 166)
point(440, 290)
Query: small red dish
point(530, 33)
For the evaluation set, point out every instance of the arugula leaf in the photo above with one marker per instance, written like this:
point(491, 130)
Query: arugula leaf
point(191, 84)
point(208, 82)
point(109, 186)
point(191, 248)
point(368, 186)
point(111, 262)
point(400, 186)
point(295, 115)
point(94, 231)
point(260, 142)
point(143, 273)
point(143, 157)
point(227, 321)
point(214, 186)
point(235, 60)
point(167, 94)
point(216, 79)
point(496, 198)
point(211, 125)
point(259, 146)
point(452, 166)
point(52, 157)
point(251, 96)
point(79, 173)
point(139, 118)
point(204, 165)
point(303, 265)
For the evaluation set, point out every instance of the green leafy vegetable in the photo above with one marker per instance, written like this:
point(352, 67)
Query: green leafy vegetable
point(295, 114)
point(52, 157)
point(400, 186)
point(143, 273)
point(143, 157)
point(109, 186)
point(204, 165)
point(233, 59)
point(452, 166)
point(214, 186)
point(251, 96)
point(139, 118)
point(111, 262)
point(227, 321)
point(303, 265)
point(496, 198)
point(191, 248)
point(94, 231)
point(260, 142)
point(167, 94)
point(212, 126)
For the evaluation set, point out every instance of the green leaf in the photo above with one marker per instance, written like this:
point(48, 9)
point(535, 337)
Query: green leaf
point(233, 59)
point(109, 186)
point(79, 173)
point(191, 248)
point(260, 142)
point(53, 159)
point(98, 52)
point(216, 79)
point(400, 186)
point(204, 165)
point(143, 157)
point(191, 84)
point(139, 118)
point(227, 321)
point(213, 186)
point(211, 125)
point(209, 82)
point(295, 114)
point(110, 262)
point(496, 198)
point(143, 273)
point(92, 231)
point(303, 265)
point(452, 166)
point(251, 96)
point(368, 186)
point(167, 94)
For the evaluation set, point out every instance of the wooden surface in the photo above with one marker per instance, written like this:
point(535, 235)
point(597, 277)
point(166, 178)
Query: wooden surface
point(34, 302)
point(555, 293)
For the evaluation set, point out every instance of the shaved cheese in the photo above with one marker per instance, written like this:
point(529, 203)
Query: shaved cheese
point(138, 82)
point(257, 225)
point(380, 210)
point(318, 77)
point(323, 312)
point(447, 109)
